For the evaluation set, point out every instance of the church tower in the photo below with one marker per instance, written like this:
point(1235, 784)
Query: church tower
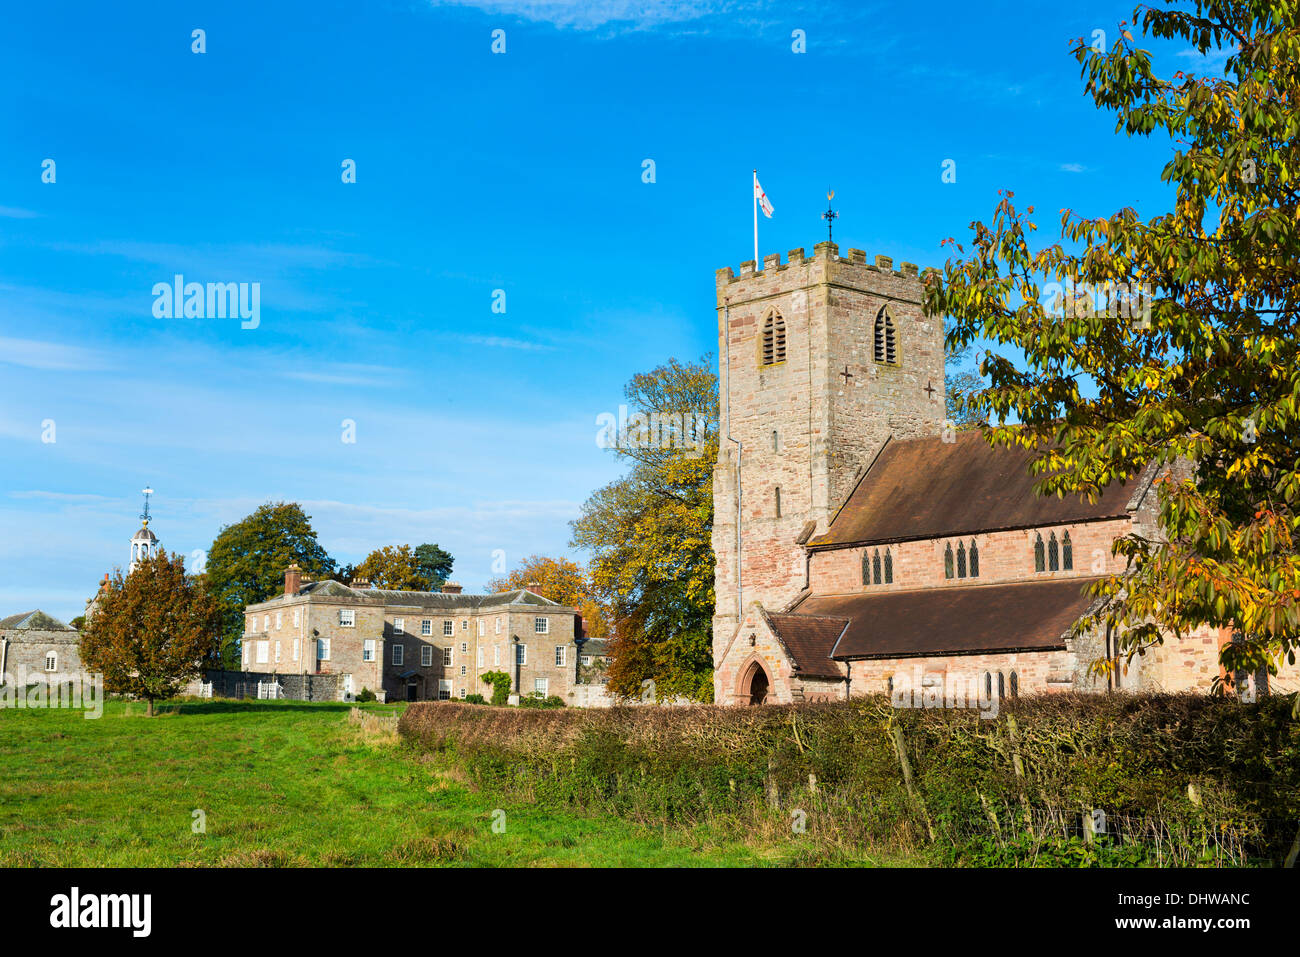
point(821, 360)
point(144, 543)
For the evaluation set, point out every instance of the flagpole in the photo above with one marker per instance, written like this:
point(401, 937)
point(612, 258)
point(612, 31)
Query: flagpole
point(755, 198)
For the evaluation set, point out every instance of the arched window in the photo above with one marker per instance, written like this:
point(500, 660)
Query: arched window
point(988, 685)
point(974, 560)
point(778, 501)
point(947, 560)
point(773, 339)
point(961, 560)
point(886, 340)
point(1002, 687)
point(1053, 555)
point(1015, 685)
point(866, 567)
point(889, 568)
point(1038, 552)
point(1067, 553)
point(875, 566)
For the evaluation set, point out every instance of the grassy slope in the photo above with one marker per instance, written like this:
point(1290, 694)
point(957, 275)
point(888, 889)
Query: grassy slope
point(287, 783)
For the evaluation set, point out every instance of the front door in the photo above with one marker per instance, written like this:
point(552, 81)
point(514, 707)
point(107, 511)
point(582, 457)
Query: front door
point(412, 690)
point(758, 686)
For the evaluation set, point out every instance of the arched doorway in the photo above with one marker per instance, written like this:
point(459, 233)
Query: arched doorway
point(756, 684)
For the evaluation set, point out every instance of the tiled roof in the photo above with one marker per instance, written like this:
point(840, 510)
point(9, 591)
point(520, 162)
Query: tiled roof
point(954, 620)
point(425, 599)
point(929, 488)
point(33, 621)
point(809, 639)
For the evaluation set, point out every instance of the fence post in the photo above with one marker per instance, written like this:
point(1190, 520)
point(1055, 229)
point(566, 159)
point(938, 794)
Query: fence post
point(896, 734)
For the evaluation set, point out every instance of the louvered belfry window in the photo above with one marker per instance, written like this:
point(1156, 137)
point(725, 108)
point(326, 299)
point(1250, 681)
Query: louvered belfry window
point(773, 339)
point(886, 339)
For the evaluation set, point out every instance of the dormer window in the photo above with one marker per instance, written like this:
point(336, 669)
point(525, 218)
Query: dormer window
point(886, 338)
point(773, 342)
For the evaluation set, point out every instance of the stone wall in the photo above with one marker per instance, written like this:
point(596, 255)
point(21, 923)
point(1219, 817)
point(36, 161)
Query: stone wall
point(25, 651)
point(296, 687)
point(1003, 557)
point(808, 430)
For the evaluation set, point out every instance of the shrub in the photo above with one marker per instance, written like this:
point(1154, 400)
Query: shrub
point(500, 682)
point(1182, 779)
point(538, 700)
point(474, 699)
point(365, 695)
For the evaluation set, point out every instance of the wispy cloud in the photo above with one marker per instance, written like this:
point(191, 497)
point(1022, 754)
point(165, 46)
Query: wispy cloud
point(1073, 168)
point(590, 14)
point(383, 376)
point(503, 342)
point(48, 356)
point(13, 212)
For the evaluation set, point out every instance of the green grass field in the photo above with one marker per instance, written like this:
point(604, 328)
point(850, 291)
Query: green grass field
point(295, 784)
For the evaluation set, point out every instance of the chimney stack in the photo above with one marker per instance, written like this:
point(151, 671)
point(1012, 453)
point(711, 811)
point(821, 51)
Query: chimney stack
point(292, 579)
point(451, 588)
point(359, 583)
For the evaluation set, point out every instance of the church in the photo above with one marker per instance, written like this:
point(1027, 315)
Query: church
point(862, 545)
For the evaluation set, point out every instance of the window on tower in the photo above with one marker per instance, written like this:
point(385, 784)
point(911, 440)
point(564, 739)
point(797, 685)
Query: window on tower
point(773, 340)
point(886, 338)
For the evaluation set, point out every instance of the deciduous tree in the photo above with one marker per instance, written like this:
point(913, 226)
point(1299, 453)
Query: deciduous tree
point(152, 629)
point(1210, 374)
point(561, 580)
point(246, 564)
point(650, 534)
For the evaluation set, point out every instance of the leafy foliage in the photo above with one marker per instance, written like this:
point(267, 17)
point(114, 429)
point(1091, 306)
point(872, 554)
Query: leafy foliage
point(152, 629)
point(246, 565)
point(500, 682)
point(650, 535)
point(399, 567)
point(433, 564)
point(1181, 779)
point(1206, 387)
point(960, 383)
point(539, 700)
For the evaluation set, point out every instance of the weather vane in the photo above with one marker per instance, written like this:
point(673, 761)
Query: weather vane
point(144, 516)
point(830, 216)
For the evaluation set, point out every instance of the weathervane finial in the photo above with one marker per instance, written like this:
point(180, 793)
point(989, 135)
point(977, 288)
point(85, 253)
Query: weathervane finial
point(144, 516)
point(830, 216)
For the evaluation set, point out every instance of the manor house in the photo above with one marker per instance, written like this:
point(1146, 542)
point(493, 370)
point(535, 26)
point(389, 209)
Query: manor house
point(413, 645)
point(861, 545)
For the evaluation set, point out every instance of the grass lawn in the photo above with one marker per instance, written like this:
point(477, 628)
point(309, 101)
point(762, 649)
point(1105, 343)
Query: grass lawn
point(294, 784)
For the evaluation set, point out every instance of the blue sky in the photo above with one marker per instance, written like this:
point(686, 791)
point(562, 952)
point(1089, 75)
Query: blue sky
point(476, 171)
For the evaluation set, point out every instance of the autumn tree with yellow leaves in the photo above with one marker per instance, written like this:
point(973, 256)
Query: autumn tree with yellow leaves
point(1188, 334)
point(561, 580)
point(650, 534)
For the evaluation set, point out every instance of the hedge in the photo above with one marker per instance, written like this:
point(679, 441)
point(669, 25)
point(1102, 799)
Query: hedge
point(1181, 779)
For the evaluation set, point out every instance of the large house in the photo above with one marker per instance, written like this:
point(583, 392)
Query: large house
point(863, 543)
point(413, 645)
